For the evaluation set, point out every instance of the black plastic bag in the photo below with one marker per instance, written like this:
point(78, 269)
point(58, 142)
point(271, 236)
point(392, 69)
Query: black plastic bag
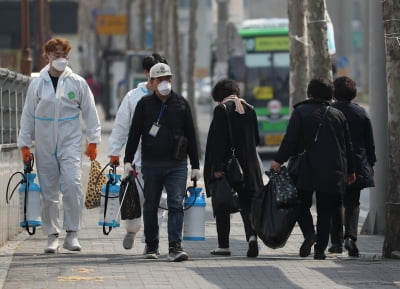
point(273, 225)
point(129, 199)
point(286, 192)
point(224, 199)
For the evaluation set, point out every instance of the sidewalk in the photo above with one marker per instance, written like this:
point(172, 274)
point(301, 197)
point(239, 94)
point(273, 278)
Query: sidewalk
point(103, 263)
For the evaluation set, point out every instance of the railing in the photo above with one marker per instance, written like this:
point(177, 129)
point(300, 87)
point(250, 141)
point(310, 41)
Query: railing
point(13, 87)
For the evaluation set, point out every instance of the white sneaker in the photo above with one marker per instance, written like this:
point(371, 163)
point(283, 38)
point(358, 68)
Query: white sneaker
point(129, 240)
point(52, 244)
point(71, 242)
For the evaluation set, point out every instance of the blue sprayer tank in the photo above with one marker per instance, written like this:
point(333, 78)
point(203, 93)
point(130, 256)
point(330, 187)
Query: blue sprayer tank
point(112, 216)
point(194, 218)
point(32, 208)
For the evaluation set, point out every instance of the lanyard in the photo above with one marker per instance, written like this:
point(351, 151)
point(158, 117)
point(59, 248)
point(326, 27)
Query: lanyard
point(162, 110)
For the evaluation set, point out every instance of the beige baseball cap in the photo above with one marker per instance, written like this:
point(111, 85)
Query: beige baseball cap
point(159, 70)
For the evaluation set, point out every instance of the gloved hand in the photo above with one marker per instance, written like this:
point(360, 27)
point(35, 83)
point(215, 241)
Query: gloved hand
point(91, 151)
point(195, 175)
point(114, 160)
point(127, 169)
point(26, 155)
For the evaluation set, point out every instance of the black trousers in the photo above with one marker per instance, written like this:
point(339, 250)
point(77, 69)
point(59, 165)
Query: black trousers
point(223, 220)
point(350, 204)
point(327, 205)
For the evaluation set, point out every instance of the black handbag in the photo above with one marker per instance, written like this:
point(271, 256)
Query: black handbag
point(129, 199)
point(294, 162)
point(294, 165)
point(224, 198)
point(285, 190)
point(233, 169)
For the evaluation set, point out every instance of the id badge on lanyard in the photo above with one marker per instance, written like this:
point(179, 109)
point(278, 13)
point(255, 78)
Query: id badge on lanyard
point(156, 126)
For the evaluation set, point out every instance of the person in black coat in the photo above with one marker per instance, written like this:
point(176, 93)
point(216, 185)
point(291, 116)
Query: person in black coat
point(218, 150)
point(364, 159)
point(322, 132)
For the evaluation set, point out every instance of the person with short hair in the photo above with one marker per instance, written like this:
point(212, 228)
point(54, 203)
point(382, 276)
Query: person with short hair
point(364, 159)
point(163, 122)
point(327, 167)
point(51, 117)
point(119, 137)
point(245, 137)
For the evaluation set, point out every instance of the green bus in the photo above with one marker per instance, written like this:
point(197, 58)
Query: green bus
point(262, 71)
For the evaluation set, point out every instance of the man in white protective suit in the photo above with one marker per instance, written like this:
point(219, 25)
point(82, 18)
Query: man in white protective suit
point(55, 102)
point(118, 139)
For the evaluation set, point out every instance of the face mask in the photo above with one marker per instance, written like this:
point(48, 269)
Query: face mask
point(59, 64)
point(164, 87)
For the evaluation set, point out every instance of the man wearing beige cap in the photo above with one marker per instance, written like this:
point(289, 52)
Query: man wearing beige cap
point(163, 121)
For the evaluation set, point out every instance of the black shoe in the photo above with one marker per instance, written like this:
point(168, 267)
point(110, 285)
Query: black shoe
point(252, 252)
point(336, 249)
point(176, 254)
point(351, 247)
point(319, 255)
point(151, 251)
point(305, 248)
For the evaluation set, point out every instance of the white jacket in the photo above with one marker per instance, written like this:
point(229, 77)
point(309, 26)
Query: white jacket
point(123, 121)
point(52, 118)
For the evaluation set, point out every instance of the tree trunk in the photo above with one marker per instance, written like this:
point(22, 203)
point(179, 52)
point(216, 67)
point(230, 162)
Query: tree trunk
point(176, 44)
point(391, 15)
point(142, 19)
point(192, 66)
point(320, 60)
point(298, 51)
point(221, 65)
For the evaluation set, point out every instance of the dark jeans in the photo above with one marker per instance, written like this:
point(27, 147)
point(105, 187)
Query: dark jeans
point(223, 221)
point(351, 204)
point(173, 179)
point(327, 204)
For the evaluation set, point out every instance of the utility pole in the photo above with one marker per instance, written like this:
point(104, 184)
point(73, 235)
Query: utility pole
point(378, 110)
point(221, 65)
point(391, 16)
point(26, 60)
point(317, 30)
point(298, 51)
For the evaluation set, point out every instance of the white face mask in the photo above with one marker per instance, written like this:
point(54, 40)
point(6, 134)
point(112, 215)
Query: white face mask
point(59, 64)
point(164, 87)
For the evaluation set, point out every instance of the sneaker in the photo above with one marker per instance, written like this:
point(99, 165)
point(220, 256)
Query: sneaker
point(129, 240)
point(151, 252)
point(221, 251)
point(351, 247)
point(335, 249)
point(176, 254)
point(252, 252)
point(305, 248)
point(71, 242)
point(52, 244)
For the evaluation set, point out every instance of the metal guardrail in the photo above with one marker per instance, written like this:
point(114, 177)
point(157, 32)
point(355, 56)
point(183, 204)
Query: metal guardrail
point(13, 87)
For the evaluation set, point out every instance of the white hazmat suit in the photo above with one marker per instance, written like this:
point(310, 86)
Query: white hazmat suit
point(52, 118)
